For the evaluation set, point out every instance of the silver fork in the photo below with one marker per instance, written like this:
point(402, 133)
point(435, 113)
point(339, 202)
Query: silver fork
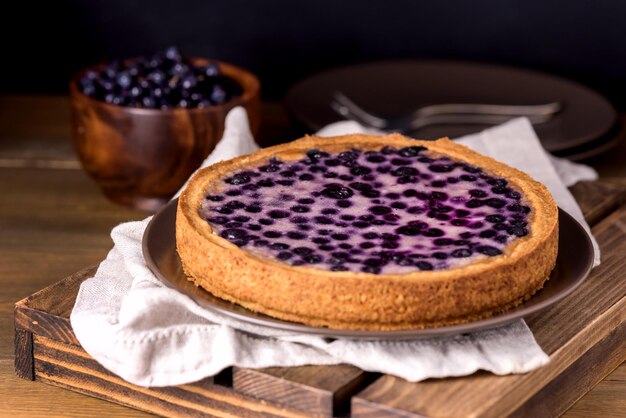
point(452, 113)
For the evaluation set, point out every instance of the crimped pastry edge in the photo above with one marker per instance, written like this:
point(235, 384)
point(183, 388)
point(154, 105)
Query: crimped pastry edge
point(350, 300)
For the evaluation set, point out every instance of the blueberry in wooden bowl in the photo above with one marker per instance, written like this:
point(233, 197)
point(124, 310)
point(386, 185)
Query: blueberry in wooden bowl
point(143, 125)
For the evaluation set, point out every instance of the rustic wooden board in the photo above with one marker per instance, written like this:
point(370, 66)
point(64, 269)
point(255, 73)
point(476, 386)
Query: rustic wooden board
point(578, 333)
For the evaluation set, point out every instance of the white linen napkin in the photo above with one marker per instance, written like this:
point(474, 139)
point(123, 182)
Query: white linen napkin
point(152, 335)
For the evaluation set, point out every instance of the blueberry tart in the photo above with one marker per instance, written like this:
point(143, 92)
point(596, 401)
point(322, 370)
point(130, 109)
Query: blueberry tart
point(368, 232)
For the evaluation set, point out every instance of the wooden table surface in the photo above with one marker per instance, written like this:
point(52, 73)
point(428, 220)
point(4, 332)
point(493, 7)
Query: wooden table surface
point(54, 221)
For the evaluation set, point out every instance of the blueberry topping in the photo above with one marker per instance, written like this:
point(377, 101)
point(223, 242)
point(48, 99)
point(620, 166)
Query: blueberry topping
point(461, 253)
point(233, 234)
point(278, 214)
point(372, 211)
point(411, 151)
point(335, 191)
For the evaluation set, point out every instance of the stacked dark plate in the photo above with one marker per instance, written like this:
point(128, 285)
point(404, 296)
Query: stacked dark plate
point(586, 126)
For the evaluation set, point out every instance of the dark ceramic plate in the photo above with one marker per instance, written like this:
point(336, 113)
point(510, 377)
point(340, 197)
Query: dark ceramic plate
point(573, 265)
point(397, 87)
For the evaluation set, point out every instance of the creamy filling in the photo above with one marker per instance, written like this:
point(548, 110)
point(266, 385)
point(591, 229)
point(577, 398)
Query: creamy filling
point(391, 211)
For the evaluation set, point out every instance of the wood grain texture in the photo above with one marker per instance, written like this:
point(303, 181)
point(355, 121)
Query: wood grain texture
point(70, 367)
point(316, 390)
point(597, 199)
point(566, 331)
point(573, 383)
point(24, 363)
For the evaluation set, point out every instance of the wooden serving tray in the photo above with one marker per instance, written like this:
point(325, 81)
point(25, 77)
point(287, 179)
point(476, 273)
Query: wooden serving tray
point(584, 335)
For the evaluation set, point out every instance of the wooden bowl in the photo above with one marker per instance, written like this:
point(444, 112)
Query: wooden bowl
point(141, 157)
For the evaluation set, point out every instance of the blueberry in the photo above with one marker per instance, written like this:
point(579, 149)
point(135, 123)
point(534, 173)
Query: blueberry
point(440, 256)
point(500, 226)
point(367, 245)
point(306, 201)
point(323, 220)
point(519, 222)
point(253, 209)
point(348, 217)
point(360, 186)
point(316, 155)
point(475, 225)
point(370, 235)
point(215, 198)
point(254, 227)
point(424, 265)
point(409, 230)
point(361, 224)
point(438, 183)
point(471, 169)
point(517, 231)
point(488, 233)
point(265, 221)
point(379, 210)
point(409, 193)
point(299, 209)
point(265, 183)
point(337, 192)
point(494, 218)
point(278, 214)
point(233, 234)
point(339, 237)
point(299, 220)
point(441, 168)
point(495, 203)
point(279, 246)
point(320, 240)
point(468, 178)
point(218, 220)
point(459, 222)
point(261, 243)
point(434, 232)
point(302, 251)
point(474, 203)
point(398, 205)
point(371, 269)
point(348, 155)
point(238, 179)
point(375, 158)
point(360, 171)
point(514, 195)
point(515, 207)
point(329, 211)
point(313, 258)
point(411, 151)
point(345, 245)
point(461, 253)
point(339, 268)
point(272, 234)
point(232, 224)
point(488, 250)
point(387, 150)
point(344, 203)
point(306, 177)
point(372, 194)
point(296, 235)
point(443, 241)
point(477, 193)
point(284, 255)
point(439, 196)
point(404, 171)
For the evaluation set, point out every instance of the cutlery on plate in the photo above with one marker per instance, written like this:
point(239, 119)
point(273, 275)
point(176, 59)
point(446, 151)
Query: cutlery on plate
point(450, 113)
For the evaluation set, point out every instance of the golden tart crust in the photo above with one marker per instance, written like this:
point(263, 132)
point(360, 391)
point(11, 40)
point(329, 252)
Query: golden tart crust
point(351, 300)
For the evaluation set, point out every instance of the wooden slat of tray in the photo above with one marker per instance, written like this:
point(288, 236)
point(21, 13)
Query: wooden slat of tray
point(316, 390)
point(593, 315)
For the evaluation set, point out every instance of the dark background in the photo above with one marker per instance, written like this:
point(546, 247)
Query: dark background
point(284, 41)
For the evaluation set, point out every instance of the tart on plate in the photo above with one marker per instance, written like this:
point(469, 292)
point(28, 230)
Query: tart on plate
point(368, 232)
